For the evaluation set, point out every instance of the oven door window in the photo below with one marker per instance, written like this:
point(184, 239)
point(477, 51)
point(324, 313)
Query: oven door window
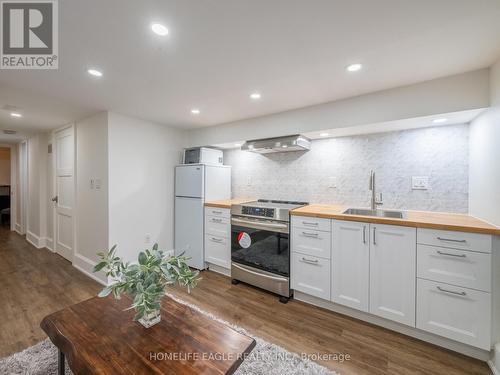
point(261, 249)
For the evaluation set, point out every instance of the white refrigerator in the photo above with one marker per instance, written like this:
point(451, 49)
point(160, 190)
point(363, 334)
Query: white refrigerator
point(195, 184)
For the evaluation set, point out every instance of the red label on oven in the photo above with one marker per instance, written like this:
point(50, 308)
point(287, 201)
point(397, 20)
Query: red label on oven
point(244, 240)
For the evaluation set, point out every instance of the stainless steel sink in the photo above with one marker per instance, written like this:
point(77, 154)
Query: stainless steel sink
point(378, 213)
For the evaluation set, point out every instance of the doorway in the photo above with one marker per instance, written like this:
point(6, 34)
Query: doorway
point(5, 187)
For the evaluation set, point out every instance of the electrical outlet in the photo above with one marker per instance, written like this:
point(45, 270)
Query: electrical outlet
point(91, 184)
point(332, 182)
point(147, 238)
point(420, 182)
point(98, 184)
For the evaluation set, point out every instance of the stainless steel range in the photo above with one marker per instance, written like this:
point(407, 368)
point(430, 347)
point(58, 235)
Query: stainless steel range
point(260, 251)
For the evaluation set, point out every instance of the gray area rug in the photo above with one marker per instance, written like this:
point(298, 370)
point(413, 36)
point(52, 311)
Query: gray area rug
point(265, 359)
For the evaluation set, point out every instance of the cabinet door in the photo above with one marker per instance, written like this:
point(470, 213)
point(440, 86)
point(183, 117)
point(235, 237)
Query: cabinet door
point(392, 272)
point(458, 313)
point(351, 264)
point(218, 251)
point(311, 275)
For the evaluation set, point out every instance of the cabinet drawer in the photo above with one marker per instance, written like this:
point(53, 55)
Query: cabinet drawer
point(462, 268)
point(455, 240)
point(457, 313)
point(220, 212)
point(310, 275)
point(324, 225)
point(311, 242)
point(217, 226)
point(218, 251)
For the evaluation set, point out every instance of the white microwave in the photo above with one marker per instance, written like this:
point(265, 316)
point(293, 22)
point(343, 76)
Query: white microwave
point(203, 155)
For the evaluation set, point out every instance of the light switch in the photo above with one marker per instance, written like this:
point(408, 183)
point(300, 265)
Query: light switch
point(420, 182)
point(91, 184)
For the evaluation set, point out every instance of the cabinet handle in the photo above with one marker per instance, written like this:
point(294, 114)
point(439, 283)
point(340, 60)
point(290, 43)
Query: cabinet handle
point(311, 224)
point(216, 212)
point(309, 260)
point(374, 231)
point(451, 255)
point(451, 240)
point(216, 220)
point(451, 291)
point(216, 239)
point(364, 233)
point(312, 235)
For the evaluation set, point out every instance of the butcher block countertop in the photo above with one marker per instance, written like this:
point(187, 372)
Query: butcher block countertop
point(418, 219)
point(226, 203)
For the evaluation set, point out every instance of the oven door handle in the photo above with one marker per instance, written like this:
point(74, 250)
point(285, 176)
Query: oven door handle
point(283, 279)
point(260, 225)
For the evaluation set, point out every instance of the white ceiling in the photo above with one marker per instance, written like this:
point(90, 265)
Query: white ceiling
point(292, 51)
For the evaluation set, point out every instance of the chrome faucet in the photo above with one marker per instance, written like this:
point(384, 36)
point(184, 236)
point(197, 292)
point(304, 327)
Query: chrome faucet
point(374, 201)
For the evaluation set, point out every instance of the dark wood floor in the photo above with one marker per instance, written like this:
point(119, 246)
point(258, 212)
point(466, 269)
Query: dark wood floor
point(35, 282)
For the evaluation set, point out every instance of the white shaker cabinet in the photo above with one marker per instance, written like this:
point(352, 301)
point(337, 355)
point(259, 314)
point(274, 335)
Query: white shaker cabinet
point(218, 238)
point(392, 272)
point(351, 264)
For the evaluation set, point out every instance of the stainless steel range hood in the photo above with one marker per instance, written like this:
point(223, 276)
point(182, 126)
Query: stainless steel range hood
point(279, 144)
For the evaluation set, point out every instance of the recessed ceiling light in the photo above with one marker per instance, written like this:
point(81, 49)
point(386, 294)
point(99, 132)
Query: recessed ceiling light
point(159, 29)
point(94, 72)
point(16, 114)
point(354, 67)
point(439, 120)
point(195, 111)
point(324, 134)
point(255, 96)
point(237, 145)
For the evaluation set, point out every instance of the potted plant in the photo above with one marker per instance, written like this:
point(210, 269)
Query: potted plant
point(146, 280)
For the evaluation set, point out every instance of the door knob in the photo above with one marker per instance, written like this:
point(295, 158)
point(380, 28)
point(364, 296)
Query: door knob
point(55, 199)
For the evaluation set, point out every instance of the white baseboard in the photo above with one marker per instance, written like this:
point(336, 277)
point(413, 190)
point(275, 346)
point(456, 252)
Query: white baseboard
point(219, 269)
point(35, 240)
point(49, 244)
point(17, 228)
point(492, 367)
point(494, 362)
point(86, 266)
point(467, 350)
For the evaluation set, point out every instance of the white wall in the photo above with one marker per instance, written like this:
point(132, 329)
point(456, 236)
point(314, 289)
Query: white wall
point(484, 189)
point(36, 229)
point(142, 156)
point(337, 170)
point(451, 94)
point(91, 202)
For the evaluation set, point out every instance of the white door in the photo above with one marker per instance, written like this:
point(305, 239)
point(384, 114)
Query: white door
point(189, 231)
point(189, 181)
point(392, 272)
point(351, 264)
point(65, 189)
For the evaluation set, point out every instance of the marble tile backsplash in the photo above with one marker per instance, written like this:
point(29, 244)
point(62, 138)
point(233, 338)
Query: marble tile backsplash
point(337, 170)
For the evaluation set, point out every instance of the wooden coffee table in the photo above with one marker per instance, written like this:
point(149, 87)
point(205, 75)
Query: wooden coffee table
point(98, 337)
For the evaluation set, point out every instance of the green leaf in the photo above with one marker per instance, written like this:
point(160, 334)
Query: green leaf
point(105, 292)
point(142, 259)
point(100, 266)
point(155, 246)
